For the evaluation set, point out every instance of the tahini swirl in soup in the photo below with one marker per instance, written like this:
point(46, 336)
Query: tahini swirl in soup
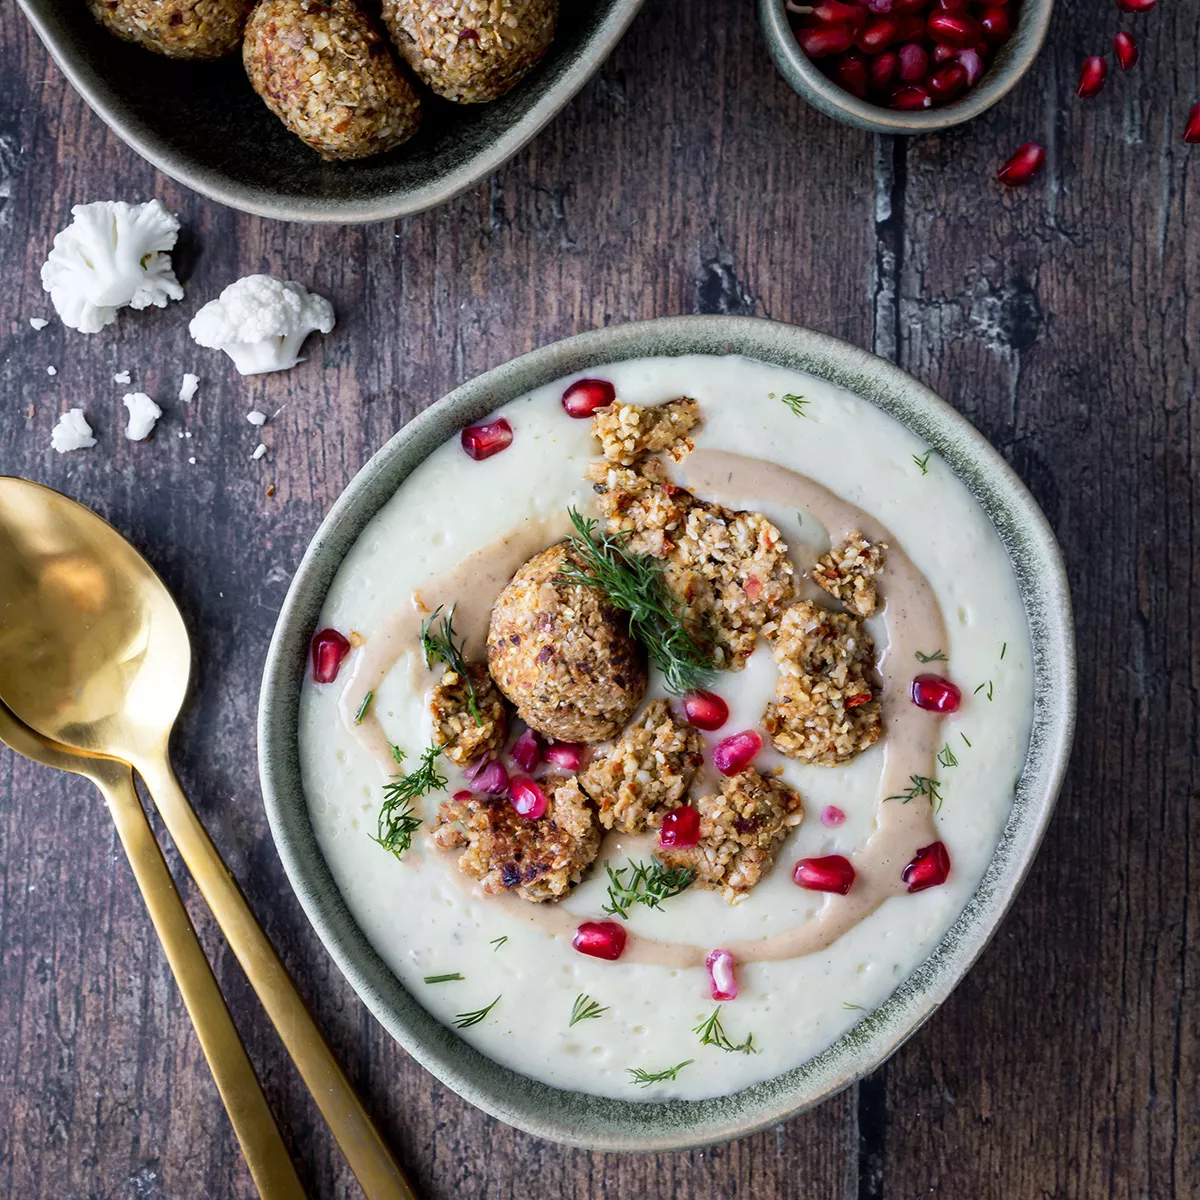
point(659, 727)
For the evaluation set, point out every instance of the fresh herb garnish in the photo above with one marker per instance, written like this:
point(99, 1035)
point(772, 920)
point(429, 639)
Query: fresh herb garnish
point(397, 753)
point(1003, 651)
point(498, 942)
point(936, 656)
point(585, 1009)
point(444, 978)
point(796, 403)
point(921, 785)
point(713, 1034)
point(397, 821)
point(855, 1007)
point(922, 461)
point(439, 646)
point(646, 1078)
point(987, 683)
point(945, 756)
point(966, 739)
point(467, 1019)
point(362, 712)
point(649, 884)
point(635, 584)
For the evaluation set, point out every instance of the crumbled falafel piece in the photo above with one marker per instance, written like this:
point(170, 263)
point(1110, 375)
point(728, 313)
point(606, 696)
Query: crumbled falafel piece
point(741, 830)
point(640, 504)
point(826, 708)
point(563, 654)
point(630, 432)
point(649, 768)
point(176, 28)
point(471, 51)
point(324, 69)
point(848, 572)
point(454, 726)
point(539, 860)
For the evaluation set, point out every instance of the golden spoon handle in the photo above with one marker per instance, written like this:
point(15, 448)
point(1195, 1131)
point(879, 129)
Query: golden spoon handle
point(371, 1161)
point(267, 1157)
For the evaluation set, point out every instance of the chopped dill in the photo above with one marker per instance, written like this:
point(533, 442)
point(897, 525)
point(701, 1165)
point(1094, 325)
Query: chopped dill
point(712, 1033)
point(646, 1078)
point(921, 785)
point(855, 1007)
point(922, 461)
point(362, 711)
point(796, 403)
point(936, 656)
point(440, 646)
point(946, 758)
point(635, 584)
point(454, 978)
point(585, 1009)
point(966, 739)
point(1003, 651)
point(496, 943)
point(467, 1019)
point(397, 821)
point(987, 683)
point(649, 884)
point(397, 754)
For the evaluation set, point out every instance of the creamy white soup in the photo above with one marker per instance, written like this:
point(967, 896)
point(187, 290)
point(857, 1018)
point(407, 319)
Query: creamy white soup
point(818, 462)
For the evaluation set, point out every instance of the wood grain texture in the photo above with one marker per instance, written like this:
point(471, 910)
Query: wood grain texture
point(685, 178)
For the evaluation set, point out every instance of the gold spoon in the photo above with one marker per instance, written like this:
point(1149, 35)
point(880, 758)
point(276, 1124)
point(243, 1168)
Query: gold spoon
point(94, 655)
point(266, 1155)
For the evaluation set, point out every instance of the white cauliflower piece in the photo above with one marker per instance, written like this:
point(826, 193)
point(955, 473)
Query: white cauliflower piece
point(261, 322)
point(72, 432)
point(113, 255)
point(143, 413)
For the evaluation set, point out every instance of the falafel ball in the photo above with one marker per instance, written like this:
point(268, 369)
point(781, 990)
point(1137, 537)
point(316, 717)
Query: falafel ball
point(470, 51)
point(563, 654)
point(176, 28)
point(325, 70)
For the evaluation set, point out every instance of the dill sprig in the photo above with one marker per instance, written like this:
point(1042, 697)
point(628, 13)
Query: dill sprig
point(454, 978)
point(921, 785)
point(649, 884)
point(922, 461)
point(712, 1033)
point(496, 943)
point(397, 821)
point(936, 656)
point(398, 755)
point(645, 1078)
point(362, 712)
point(966, 739)
point(946, 757)
point(796, 403)
point(438, 645)
point(853, 1007)
point(467, 1019)
point(635, 584)
point(585, 1009)
point(987, 683)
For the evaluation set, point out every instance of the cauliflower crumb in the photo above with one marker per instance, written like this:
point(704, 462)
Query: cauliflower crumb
point(72, 432)
point(192, 461)
point(187, 389)
point(38, 323)
point(143, 413)
point(121, 377)
point(51, 370)
point(259, 451)
point(256, 417)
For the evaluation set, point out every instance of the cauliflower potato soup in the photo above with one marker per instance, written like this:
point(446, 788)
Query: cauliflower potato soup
point(659, 726)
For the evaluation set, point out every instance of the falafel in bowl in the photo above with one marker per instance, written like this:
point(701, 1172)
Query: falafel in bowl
point(731, 815)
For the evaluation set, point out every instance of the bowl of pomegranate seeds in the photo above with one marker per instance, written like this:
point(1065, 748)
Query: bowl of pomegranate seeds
point(904, 66)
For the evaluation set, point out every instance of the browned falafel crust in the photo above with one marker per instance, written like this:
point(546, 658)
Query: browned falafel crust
point(176, 28)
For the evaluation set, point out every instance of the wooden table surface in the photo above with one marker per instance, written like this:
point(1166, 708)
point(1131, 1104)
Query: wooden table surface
point(1062, 319)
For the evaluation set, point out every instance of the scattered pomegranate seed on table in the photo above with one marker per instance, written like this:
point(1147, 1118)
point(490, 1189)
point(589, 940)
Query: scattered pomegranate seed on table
point(1191, 132)
point(1126, 50)
point(1136, 6)
point(567, 755)
point(527, 798)
point(833, 873)
point(832, 816)
point(1023, 166)
point(527, 750)
point(600, 939)
point(680, 829)
point(1092, 75)
point(929, 868)
point(585, 396)
point(328, 650)
point(935, 694)
point(705, 710)
point(720, 973)
point(736, 753)
point(482, 441)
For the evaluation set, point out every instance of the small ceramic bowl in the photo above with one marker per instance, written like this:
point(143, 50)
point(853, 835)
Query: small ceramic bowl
point(605, 1124)
point(202, 124)
point(1012, 60)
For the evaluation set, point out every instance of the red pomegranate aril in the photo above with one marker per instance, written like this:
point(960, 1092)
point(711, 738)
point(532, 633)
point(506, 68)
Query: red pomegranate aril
point(328, 650)
point(705, 710)
point(1191, 131)
point(955, 29)
point(736, 753)
point(881, 7)
point(996, 23)
point(1092, 75)
point(463, 796)
point(943, 53)
point(824, 41)
point(947, 83)
point(833, 12)
point(1025, 163)
point(567, 755)
point(1136, 6)
point(527, 750)
point(833, 873)
point(1126, 50)
point(585, 396)
point(489, 776)
point(911, 98)
point(910, 27)
point(680, 829)
point(929, 868)
point(883, 69)
point(934, 693)
point(876, 36)
point(527, 798)
point(600, 939)
point(720, 974)
point(914, 62)
point(905, 7)
point(971, 61)
point(482, 441)
point(851, 72)
point(950, 5)
point(832, 816)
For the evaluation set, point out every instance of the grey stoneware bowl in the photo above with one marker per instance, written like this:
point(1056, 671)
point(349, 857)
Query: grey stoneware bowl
point(606, 1124)
point(1012, 60)
point(201, 123)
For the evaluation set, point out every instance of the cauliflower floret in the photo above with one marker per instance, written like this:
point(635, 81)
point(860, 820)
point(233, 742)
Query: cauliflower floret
point(72, 432)
point(143, 413)
point(261, 322)
point(113, 255)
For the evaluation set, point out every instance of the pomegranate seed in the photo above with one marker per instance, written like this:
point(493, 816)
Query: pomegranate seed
point(945, 85)
point(680, 829)
point(1136, 6)
point(328, 650)
point(1092, 75)
point(823, 41)
point(930, 866)
point(600, 939)
point(832, 816)
point(955, 29)
point(585, 396)
point(482, 441)
point(528, 799)
point(720, 972)
point(833, 12)
point(862, 697)
point(883, 69)
point(909, 6)
point(489, 776)
point(736, 753)
point(909, 27)
point(1023, 166)
point(996, 23)
point(910, 97)
point(971, 61)
point(914, 62)
point(1126, 50)
point(877, 36)
point(705, 710)
point(943, 53)
point(883, 7)
point(1191, 132)
point(853, 76)
point(935, 694)
point(527, 751)
point(463, 796)
point(833, 873)
point(567, 755)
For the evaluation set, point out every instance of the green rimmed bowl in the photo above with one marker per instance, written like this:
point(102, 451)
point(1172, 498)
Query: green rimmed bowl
point(605, 1124)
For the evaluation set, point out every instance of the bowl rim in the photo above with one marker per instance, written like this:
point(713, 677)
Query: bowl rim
point(1014, 59)
point(143, 139)
point(599, 1123)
